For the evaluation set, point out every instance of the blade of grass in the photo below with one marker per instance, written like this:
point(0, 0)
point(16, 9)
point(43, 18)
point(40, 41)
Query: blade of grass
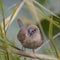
point(31, 9)
point(34, 55)
point(51, 38)
point(1, 32)
point(45, 9)
point(12, 6)
point(9, 43)
point(47, 18)
point(15, 12)
point(3, 57)
point(10, 19)
point(6, 21)
point(7, 54)
point(2, 51)
point(3, 17)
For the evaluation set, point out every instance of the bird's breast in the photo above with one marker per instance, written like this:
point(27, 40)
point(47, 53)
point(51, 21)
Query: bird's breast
point(32, 42)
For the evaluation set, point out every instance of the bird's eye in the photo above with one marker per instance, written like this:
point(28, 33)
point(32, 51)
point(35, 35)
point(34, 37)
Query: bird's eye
point(34, 30)
point(31, 31)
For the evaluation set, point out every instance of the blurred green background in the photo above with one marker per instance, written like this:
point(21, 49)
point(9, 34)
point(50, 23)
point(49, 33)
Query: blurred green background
point(53, 5)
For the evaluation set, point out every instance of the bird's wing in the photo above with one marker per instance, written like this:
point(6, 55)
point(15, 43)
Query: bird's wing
point(22, 34)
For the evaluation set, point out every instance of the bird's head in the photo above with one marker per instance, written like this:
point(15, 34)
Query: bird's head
point(32, 29)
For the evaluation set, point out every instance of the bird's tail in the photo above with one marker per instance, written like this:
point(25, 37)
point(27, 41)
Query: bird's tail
point(19, 23)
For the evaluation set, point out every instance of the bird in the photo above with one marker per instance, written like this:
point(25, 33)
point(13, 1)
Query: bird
point(30, 36)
